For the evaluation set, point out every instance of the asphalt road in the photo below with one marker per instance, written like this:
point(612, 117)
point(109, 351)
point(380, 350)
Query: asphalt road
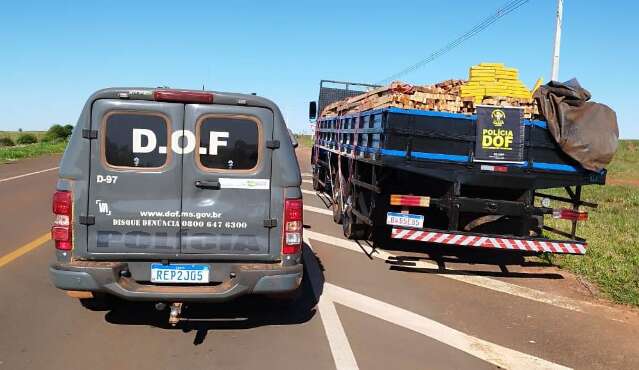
point(406, 306)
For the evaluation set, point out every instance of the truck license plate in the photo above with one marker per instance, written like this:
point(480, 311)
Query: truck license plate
point(404, 219)
point(179, 273)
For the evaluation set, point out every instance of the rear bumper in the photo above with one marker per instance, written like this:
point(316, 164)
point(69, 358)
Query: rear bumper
point(253, 278)
point(465, 239)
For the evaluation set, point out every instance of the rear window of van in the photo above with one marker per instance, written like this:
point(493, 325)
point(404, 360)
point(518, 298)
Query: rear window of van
point(134, 140)
point(232, 143)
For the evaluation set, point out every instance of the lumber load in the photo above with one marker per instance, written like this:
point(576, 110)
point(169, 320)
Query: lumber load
point(488, 84)
point(494, 80)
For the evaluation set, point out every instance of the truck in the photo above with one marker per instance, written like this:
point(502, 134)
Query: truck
point(423, 175)
point(175, 196)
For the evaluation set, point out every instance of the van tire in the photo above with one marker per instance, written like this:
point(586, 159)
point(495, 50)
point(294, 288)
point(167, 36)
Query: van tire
point(99, 302)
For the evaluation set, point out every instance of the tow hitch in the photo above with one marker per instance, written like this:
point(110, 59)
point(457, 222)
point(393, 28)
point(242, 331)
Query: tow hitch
point(174, 316)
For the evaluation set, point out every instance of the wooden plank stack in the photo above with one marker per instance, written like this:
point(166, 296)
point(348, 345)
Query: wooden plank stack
point(494, 80)
point(453, 96)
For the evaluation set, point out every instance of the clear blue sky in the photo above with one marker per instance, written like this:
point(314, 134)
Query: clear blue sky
point(54, 54)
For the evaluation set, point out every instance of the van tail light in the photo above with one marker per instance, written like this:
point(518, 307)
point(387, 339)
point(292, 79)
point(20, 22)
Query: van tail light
point(182, 96)
point(61, 230)
point(569, 214)
point(292, 230)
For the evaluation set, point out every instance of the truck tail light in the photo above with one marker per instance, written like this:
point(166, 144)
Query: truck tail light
point(409, 200)
point(183, 96)
point(569, 214)
point(292, 230)
point(61, 230)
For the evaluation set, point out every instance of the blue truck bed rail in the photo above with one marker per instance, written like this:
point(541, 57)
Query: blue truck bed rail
point(442, 145)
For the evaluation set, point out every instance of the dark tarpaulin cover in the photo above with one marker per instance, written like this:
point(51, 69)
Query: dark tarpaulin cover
point(586, 131)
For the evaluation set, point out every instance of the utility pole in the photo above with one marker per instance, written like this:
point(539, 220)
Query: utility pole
point(554, 76)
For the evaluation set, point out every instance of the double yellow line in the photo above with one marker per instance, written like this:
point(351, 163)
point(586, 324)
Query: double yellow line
point(8, 258)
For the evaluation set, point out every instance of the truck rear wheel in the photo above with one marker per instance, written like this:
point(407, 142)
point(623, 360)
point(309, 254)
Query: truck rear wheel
point(318, 175)
point(337, 201)
point(352, 229)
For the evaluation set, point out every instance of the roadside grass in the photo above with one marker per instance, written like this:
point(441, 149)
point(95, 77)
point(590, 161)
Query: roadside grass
point(32, 150)
point(625, 165)
point(612, 231)
point(305, 141)
point(14, 134)
point(612, 258)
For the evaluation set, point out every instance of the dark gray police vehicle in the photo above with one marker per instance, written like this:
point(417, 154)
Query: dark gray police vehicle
point(177, 196)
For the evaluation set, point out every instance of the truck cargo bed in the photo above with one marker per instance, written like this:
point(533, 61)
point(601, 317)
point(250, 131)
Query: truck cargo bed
point(442, 145)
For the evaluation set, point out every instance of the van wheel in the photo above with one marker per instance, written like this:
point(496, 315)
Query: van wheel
point(99, 302)
point(337, 202)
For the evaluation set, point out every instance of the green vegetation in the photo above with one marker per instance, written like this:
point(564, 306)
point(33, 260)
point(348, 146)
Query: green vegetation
point(13, 135)
point(612, 260)
point(33, 143)
point(58, 132)
point(6, 141)
point(625, 166)
point(305, 141)
point(26, 139)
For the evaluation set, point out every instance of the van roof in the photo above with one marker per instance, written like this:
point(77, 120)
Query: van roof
point(146, 93)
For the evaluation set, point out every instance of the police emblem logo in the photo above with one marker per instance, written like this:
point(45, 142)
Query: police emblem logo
point(498, 116)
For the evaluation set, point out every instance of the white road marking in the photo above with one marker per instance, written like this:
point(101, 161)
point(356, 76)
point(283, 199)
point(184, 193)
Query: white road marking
point(338, 342)
point(307, 181)
point(311, 192)
point(343, 354)
point(481, 281)
point(307, 174)
point(490, 352)
point(319, 210)
point(28, 174)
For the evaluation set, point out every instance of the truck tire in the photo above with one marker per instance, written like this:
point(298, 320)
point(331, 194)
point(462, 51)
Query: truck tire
point(353, 230)
point(318, 174)
point(338, 214)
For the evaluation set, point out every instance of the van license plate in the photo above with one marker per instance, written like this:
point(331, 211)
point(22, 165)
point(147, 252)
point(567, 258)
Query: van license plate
point(404, 219)
point(179, 273)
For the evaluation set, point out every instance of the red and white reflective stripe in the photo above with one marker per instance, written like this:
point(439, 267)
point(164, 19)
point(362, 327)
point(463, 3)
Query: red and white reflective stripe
point(486, 242)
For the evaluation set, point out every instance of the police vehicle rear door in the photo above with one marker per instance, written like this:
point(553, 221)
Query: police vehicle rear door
point(226, 184)
point(135, 178)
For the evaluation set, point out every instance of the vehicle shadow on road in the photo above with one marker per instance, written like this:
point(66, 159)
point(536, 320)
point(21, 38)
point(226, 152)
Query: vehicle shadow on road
point(243, 313)
point(461, 261)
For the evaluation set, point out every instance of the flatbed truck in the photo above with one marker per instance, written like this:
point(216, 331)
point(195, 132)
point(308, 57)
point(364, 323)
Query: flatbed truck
point(418, 175)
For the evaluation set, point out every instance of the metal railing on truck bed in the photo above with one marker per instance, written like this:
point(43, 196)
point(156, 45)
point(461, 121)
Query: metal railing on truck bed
point(440, 144)
point(329, 93)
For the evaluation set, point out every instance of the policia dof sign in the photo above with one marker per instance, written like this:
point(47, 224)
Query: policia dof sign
point(500, 135)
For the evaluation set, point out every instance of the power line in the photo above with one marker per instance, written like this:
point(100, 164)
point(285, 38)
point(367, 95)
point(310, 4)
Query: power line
point(504, 10)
